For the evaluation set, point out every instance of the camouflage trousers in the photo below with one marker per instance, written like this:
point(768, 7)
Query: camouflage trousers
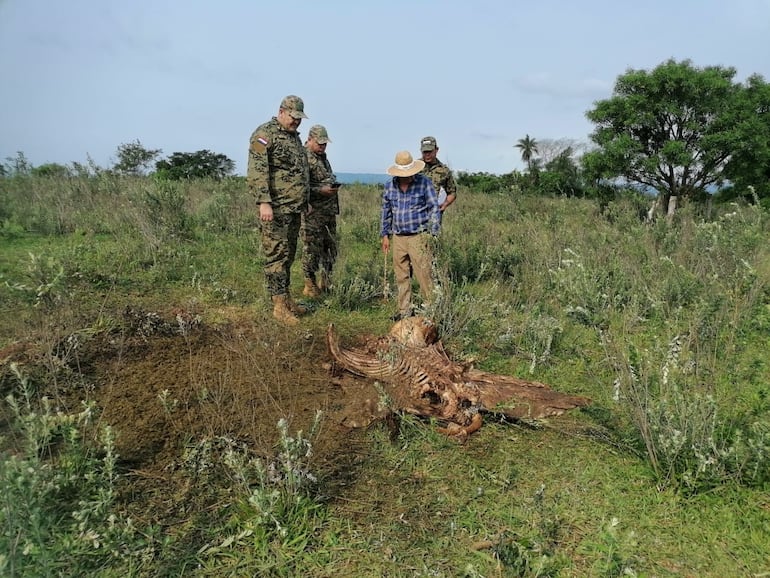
point(279, 244)
point(319, 237)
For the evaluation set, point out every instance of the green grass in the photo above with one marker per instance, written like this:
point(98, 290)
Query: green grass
point(658, 324)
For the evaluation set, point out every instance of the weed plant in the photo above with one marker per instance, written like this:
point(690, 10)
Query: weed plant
point(58, 490)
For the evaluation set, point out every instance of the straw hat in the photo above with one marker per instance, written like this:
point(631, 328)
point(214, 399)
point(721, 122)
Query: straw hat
point(405, 165)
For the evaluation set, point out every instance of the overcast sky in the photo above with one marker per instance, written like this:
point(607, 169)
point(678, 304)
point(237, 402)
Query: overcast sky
point(80, 77)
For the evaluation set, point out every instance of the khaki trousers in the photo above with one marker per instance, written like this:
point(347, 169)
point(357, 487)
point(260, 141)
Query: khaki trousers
point(412, 255)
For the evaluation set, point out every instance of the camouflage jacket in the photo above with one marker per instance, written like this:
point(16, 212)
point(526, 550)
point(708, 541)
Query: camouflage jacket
point(441, 175)
point(278, 172)
point(321, 174)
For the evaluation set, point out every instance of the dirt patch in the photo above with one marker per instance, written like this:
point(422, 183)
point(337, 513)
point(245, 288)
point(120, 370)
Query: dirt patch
point(167, 380)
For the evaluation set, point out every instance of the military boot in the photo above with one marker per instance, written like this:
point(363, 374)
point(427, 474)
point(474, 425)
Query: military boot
point(282, 312)
point(295, 307)
point(311, 289)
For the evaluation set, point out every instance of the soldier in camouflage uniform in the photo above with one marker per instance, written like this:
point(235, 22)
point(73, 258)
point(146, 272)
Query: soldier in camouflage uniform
point(439, 173)
point(278, 177)
point(319, 223)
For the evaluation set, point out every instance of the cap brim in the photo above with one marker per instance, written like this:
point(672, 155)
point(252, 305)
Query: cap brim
point(297, 114)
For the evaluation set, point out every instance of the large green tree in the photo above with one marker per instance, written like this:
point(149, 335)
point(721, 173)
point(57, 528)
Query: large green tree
point(672, 129)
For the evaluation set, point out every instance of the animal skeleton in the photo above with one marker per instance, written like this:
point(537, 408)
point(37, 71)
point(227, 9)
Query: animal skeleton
point(428, 383)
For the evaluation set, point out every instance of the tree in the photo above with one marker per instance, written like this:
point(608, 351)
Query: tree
point(18, 165)
point(134, 158)
point(528, 148)
point(51, 170)
point(561, 176)
point(672, 129)
point(749, 166)
point(197, 165)
point(549, 149)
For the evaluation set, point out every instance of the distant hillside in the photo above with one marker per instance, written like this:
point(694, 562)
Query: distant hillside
point(363, 178)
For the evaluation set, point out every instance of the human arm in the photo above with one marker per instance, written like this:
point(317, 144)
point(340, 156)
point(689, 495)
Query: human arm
point(386, 220)
point(434, 211)
point(258, 169)
point(450, 188)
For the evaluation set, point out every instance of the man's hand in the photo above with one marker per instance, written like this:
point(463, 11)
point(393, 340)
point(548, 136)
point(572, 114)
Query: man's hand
point(385, 244)
point(449, 200)
point(265, 212)
point(329, 190)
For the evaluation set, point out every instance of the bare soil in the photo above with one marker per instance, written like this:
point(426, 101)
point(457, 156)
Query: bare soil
point(166, 380)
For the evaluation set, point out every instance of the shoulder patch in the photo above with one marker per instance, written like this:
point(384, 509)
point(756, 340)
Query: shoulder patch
point(259, 144)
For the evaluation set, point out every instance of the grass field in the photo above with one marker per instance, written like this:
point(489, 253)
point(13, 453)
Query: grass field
point(156, 420)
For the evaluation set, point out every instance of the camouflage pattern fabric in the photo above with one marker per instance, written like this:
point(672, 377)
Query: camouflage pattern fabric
point(319, 226)
point(319, 235)
point(279, 243)
point(441, 175)
point(278, 172)
point(321, 174)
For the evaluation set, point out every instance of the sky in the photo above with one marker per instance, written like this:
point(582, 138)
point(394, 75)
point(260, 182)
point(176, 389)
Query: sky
point(81, 77)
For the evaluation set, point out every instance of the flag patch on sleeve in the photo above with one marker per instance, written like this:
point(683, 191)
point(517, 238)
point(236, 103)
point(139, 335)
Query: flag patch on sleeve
point(259, 145)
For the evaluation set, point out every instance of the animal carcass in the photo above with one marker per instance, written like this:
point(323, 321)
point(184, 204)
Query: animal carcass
point(428, 383)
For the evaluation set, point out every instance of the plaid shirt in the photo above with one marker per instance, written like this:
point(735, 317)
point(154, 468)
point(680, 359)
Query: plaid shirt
point(414, 211)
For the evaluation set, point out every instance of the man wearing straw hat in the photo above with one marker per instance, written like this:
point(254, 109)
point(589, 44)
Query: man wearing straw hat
point(278, 176)
point(409, 223)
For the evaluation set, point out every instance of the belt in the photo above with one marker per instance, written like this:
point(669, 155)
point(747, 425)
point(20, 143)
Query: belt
point(408, 234)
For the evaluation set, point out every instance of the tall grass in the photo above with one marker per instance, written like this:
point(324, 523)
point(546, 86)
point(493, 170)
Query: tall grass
point(665, 326)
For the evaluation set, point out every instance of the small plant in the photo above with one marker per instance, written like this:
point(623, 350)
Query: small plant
point(355, 292)
point(46, 282)
point(58, 494)
point(613, 552)
point(687, 441)
point(533, 553)
point(541, 333)
point(276, 506)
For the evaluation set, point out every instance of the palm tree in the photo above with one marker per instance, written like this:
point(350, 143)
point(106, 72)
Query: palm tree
point(528, 148)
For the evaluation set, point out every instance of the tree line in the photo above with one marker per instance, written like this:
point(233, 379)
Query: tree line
point(677, 132)
point(133, 159)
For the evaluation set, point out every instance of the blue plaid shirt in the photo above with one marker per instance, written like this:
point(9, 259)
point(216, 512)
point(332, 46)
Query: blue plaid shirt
point(414, 211)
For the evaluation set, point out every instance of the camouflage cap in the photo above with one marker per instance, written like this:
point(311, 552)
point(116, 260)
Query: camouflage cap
point(428, 143)
point(318, 132)
point(294, 106)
